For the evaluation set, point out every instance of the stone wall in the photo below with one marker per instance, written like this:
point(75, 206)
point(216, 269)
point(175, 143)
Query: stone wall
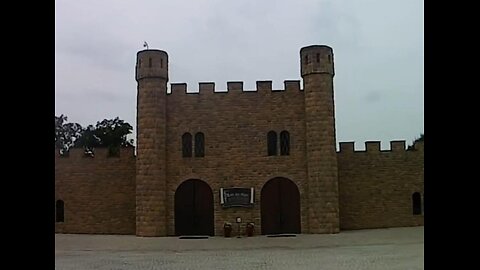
point(235, 125)
point(376, 186)
point(98, 192)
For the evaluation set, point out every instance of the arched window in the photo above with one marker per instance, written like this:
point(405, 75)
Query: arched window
point(284, 143)
point(306, 59)
point(199, 145)
point(417, 203)
point(187, 145)
point(329, 59)
point(139, 63)
point(161, 62)
point(272, 143)
point(318, 58)
point(149, 62)
point(59, 211)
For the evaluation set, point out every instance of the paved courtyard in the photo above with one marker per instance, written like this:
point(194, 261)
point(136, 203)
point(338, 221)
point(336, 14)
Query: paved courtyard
point(394, 248)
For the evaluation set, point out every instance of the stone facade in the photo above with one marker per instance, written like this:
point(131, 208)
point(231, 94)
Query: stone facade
point(98, 192)
point(376, 186)
point(344, 190)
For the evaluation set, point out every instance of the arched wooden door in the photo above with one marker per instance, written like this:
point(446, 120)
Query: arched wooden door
point(280, 207)
point(194, 208)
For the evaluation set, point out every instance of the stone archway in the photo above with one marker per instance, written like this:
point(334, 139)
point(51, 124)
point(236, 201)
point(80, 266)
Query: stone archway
point(280, 207)
point(194, 208)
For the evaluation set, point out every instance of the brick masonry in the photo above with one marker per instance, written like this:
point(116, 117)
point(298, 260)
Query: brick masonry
point(376, 186)
point(235, 145)
point(152, 77)
point(337, 190)
point(322, 179)
point(98, 192)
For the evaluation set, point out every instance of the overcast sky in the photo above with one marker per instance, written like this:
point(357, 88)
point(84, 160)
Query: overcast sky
point(378, 47)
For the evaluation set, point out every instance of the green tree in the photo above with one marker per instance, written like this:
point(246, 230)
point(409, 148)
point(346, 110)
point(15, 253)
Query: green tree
point(88, 140)
point(419, 139)
point(112, 133)
point(66, 134)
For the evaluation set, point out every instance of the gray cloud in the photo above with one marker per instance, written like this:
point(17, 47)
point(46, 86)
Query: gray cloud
point(378, 48)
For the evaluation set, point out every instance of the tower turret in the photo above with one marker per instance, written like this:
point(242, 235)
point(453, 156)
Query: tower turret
point(317, 71)
point(151, 73)
point(152, 64)
point(316, 59)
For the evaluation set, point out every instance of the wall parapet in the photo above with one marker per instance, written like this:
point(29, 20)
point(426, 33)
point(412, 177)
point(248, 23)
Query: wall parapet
point(235, 86)
point(206, 87)
point(375, 147)
point(177, 87)
point(98, 153)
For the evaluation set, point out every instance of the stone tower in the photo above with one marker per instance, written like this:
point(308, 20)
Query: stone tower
point(152, 76)
point(317, 71)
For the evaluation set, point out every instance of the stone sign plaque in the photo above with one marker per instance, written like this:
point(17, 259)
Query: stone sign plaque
point(236, 197)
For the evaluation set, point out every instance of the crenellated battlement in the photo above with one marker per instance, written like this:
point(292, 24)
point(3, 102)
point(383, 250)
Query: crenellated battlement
point(98, 154)
point(235, 86)
point(231, 86)
point(375, 147)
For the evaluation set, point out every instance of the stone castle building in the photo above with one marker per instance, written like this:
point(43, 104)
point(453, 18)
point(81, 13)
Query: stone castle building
point(265, 156)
